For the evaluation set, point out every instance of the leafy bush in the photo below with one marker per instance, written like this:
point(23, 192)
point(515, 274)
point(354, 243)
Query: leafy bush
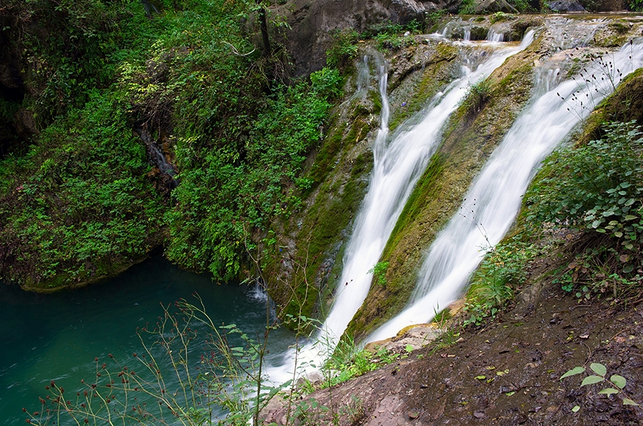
point(602, 272)
point(392, 36)
point(502, 270)
point(233, 191)
point(596, 187)
point(78, 206)
point(615, 384)
point(349, 360)
point(467, 7)
point(344, 48)
point(176, 73)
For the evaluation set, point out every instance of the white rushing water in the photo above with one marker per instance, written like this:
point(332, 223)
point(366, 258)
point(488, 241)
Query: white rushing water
point(398, 164)
point(494, 198)
point(495, 37)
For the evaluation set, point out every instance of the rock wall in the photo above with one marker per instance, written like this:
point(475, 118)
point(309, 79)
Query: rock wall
point(416, 72)
point(313, 22)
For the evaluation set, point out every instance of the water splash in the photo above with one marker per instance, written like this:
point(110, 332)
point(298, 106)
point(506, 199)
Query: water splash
point(495, 37)
point(467, 34)
point(494, 198)
point(398, 164)
point(258, 292)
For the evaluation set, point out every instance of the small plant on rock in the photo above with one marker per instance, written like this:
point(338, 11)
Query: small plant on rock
point(379, 272)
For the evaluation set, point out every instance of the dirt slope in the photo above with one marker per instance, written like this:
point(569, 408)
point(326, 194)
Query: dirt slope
point(505, 374)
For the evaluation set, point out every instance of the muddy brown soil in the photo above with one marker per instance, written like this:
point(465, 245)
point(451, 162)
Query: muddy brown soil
point(507, 373)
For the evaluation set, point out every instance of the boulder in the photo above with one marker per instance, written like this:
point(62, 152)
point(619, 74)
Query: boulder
point(493, 6)
point(566, 6)
point(313, 23)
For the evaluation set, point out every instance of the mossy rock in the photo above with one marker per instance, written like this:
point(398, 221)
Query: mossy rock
point(469, 139)
point(625, 104)
point(298, 267)
point(303, 278)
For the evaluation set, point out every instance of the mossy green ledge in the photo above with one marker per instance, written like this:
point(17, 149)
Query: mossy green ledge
point(468, 139)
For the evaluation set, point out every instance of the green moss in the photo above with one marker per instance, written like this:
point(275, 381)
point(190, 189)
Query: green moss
point(326, 155)
point(332, 212)
point(433, 78)
point(426, 189)
point(619, 26)
point(624, 105)
point(319, 232)
point(469, 138)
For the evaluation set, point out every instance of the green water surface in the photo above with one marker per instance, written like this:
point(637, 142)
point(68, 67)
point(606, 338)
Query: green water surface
point(57, 336)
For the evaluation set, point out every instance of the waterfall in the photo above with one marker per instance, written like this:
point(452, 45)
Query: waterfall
point(494, 198)
point(398, 164)
point(156, 156)
point(467, 34)
point(495, 37)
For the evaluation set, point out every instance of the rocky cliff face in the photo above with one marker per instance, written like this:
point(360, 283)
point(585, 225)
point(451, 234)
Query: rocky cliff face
point(313, 23)
point(509, 371)
point(313, 241)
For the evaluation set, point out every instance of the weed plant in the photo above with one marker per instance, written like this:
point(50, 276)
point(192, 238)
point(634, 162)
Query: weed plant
point(502, 271)
point(170, 382)
point(615, 384)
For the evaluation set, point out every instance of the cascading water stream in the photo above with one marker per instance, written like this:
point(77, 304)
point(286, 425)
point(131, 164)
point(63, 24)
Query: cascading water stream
point(495, 37)
point(494, 198)
point(397, 167)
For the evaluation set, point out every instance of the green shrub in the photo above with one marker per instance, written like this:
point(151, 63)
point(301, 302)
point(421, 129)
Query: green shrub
point(379, 272)
point(78, 206)
point(502, 270)
point(467, 7)
point(234, 190)
point(479, 94)
point(597, 187)
point(344, 48)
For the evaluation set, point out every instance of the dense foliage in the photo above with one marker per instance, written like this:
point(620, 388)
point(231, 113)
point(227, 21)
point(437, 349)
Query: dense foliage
point(237, 189)
point(596, 187)
point(81, 199)
point(78, 206)
point(502, 271)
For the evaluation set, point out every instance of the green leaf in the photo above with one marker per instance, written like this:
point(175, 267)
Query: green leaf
point(618, 380)
point(576, 408)
point(627, 401)
point(630, 216)
point(574, 371)
point(596, 223)
point(598, 368)
point(608, 391)
point(590, 380)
